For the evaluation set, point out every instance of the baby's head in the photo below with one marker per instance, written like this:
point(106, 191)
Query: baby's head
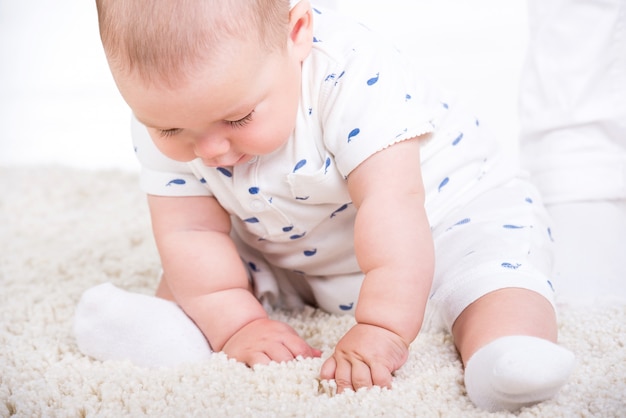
point(222, 77)
point(165, 41)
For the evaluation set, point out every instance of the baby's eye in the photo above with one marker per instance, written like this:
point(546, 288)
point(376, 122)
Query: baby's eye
point(241, 122)
point(166, 133)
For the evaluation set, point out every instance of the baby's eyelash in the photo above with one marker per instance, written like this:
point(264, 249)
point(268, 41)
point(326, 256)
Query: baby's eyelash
point(241, 122)
point(166, 133)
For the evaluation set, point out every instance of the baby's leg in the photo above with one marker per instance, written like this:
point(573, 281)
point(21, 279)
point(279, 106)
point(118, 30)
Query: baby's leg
point(507, 341)
point(112, 324)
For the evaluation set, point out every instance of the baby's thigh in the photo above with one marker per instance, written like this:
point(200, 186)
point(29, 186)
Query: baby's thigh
point(337, 294)
point(499, 239)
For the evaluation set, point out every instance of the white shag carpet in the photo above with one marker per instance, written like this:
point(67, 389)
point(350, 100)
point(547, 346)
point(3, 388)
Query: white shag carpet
point(63, 231)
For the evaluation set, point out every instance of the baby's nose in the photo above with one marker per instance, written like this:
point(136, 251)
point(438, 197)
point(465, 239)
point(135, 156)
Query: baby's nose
point(211, 147)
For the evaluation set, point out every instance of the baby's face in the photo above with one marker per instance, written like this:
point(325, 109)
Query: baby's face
point(233, 109)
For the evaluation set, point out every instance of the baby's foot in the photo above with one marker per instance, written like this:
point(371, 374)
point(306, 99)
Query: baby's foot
point(516, 371)
point(112, 324)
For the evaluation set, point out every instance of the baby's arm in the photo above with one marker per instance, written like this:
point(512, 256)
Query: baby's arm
point(207, 279)
point(394, 248)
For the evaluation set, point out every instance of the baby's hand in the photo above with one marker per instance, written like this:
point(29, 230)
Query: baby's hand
point(265, 340)
point(366, 356)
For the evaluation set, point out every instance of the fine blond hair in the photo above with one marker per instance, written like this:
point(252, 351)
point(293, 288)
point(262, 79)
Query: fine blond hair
point(165, 40)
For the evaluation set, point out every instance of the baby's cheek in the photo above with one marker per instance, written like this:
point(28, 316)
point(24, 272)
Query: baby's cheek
point(176, 149)
point(270, 137)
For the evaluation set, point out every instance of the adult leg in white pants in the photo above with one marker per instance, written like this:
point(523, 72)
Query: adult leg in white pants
point(573, 139)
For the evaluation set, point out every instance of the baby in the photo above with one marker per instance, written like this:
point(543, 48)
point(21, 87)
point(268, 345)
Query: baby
point(292, 157)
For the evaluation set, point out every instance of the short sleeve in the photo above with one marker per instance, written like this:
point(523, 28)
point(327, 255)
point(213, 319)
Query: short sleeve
point(161, 175)
point(371, 100)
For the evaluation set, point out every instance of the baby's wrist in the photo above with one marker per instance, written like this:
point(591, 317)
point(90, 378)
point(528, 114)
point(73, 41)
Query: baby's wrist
point(229, 312)
point(390, 325)
point(392, 333)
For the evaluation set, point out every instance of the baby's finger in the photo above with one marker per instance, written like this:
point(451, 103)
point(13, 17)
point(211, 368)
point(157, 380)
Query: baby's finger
point(254, 358)
point(361, 375)
point(327, 371)
point(343, 375)
point(315, 352)
point(298, 347)
point(278, 352)
point(381, 376)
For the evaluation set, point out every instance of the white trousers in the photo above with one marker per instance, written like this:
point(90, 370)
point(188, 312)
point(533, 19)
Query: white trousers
point(573, 139)
point(573, 100)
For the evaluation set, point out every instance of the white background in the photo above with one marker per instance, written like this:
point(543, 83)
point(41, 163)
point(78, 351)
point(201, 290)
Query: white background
point(59, 104)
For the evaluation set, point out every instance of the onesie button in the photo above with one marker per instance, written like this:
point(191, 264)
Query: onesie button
point(257, 205)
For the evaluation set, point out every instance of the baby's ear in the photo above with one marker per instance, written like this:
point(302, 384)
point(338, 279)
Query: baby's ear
point(301, 28)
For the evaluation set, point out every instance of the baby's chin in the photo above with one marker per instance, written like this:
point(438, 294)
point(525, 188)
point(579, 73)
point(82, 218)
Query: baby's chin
point(244, 159)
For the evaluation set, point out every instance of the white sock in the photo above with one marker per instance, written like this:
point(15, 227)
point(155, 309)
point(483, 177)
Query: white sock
point(516, 371)
point(112, 324)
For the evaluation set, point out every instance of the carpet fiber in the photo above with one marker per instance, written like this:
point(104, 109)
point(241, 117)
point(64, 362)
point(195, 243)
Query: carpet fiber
point(63, 231)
